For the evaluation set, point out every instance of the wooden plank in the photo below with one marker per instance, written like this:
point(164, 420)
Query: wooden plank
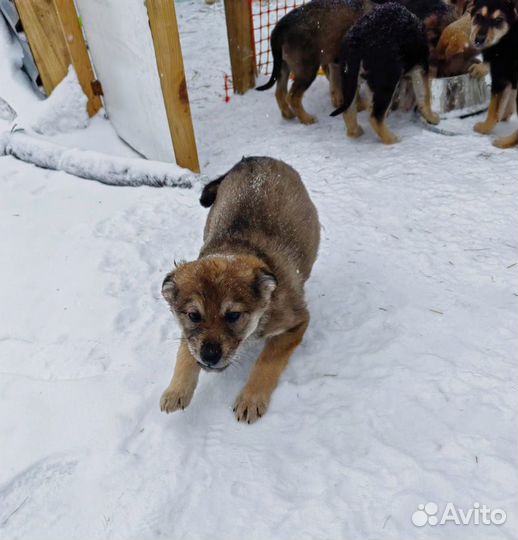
point(43, 29)
point(241, 44)
point(78, 52)
point(168, 52)
point(56, 41)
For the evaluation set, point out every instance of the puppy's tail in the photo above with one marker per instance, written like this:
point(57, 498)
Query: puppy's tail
point(210, 191)
point(350, 71)
point(276, 45)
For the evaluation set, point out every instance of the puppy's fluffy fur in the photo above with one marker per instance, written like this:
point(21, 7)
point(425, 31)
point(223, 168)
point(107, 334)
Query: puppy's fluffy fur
point(494, 30)
point(304, 39)
point(260, 242)
point(385, 44)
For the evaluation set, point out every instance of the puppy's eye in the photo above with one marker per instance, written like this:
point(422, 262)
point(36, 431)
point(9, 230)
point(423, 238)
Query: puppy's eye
point(232, 316)
point(194, 316)
point(499, 21)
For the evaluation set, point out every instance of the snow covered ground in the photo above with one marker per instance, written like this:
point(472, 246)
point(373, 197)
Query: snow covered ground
point(403, 392)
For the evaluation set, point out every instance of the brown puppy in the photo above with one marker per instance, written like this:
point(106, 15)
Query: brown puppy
point(305, 39)
point(260, 242)
point(455, 55)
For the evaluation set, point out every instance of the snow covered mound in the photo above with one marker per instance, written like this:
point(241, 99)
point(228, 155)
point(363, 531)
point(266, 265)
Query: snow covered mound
point(64, 110)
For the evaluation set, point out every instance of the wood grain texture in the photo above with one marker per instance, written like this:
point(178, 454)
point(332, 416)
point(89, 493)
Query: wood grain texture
point(168, 51)
point(241, 44)
point(56, 41)
point(43, 30)
point(78, 52)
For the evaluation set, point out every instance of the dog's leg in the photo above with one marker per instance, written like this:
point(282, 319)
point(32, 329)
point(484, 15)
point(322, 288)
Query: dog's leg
point(490, 122)
point(354, 130)
point(254, 399)
point(185, 378)
point(507, 142)
point(361, 103)
point(335, 85)
point(510, 106)
point(421, 84)
point(381, 100)
point(281, 92)
point(299, 86)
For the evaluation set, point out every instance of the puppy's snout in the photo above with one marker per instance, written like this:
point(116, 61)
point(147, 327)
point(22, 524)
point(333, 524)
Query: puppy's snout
point(210, 353)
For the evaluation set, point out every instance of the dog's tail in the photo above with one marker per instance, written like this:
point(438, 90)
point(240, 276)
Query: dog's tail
point(210, 191)
point(276, 45)
point(350, 71)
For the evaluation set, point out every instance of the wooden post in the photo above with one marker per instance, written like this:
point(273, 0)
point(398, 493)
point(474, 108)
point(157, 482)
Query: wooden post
point(241, 44)
point(78, 52)
point(56, 41)
point(168, 52)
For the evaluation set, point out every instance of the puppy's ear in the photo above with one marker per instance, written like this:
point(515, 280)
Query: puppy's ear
point(265, 284)
point(169, 287)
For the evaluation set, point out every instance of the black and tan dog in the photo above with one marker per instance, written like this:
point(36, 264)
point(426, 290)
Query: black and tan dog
point(306, 38)
point(260, 242)
point(494, 30)
point(384, 45)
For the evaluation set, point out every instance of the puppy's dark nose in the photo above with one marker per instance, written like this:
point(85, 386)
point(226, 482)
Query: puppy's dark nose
point(210, 353)
point(480, 39)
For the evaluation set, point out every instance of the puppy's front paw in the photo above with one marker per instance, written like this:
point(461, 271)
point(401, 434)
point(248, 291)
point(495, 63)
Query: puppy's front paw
point(478, 71)
point(250, 406)
point(483, 128)
point(175, 398)
point(432, 118)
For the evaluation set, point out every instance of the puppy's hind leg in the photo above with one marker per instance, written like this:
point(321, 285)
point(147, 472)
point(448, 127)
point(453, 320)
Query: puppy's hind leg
point(421, 84)
point(254, 399)
point(302, 82)
point(354, 130)
point(381, 100)
point(185, 378)
point(281, 92)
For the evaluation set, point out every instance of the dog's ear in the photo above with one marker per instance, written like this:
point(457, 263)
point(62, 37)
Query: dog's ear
point(265, 283)
point(169, 287)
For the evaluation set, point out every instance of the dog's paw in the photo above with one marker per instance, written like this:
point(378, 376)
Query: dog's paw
point(307, 119)
point(355, 133)
point(390, 138)
point(432, 118)
point(478, 71)
point(249, 406)
point(483, 128)
point(174, 399)
point(287, 114)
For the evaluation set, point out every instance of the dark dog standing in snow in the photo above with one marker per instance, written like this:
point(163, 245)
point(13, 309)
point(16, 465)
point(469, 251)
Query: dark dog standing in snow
point(260, 242)
point(306, 38)
point(494, 30)
point(383, 46)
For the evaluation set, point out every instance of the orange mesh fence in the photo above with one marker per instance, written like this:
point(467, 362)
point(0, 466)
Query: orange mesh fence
point(265, 14)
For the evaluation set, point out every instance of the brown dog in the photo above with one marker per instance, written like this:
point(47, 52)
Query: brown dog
point(455, 55)
point(306, 38)
point(260, 242)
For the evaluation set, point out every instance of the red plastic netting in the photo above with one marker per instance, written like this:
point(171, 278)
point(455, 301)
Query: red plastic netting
point(265, 14)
